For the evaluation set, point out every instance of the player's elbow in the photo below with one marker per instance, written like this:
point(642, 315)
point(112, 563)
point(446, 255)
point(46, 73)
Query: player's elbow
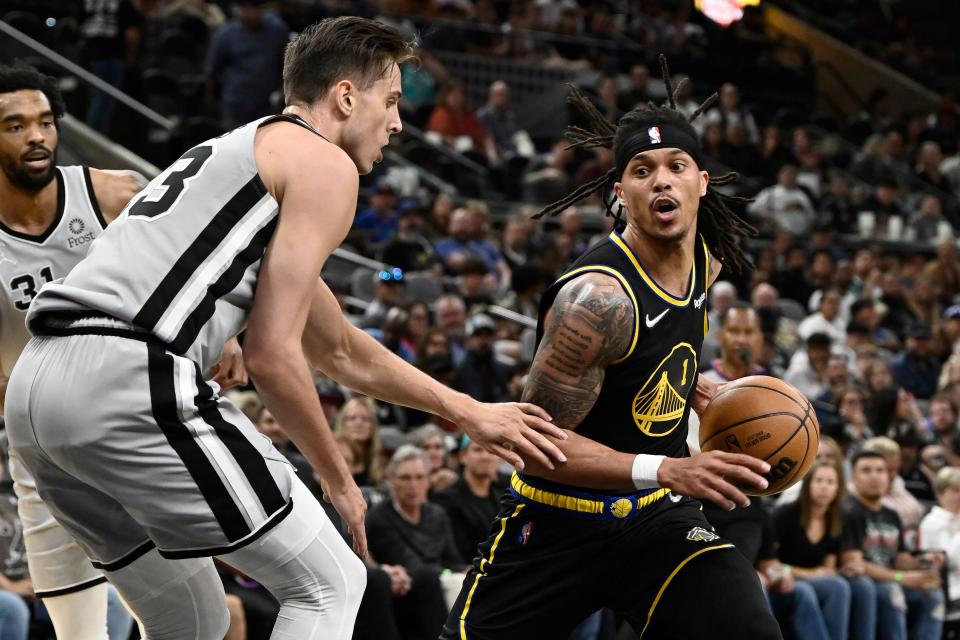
point(267, 360)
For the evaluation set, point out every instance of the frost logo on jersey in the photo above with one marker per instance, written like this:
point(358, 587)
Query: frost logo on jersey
point(76, 226)
point(699, 301)
point(654, 133)
point(699, 534)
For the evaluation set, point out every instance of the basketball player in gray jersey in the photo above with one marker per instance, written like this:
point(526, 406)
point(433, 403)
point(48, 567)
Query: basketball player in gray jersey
point(141, 459)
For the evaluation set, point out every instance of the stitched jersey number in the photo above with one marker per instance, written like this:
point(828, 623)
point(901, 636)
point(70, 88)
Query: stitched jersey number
point(163, 196)
point(26, 286)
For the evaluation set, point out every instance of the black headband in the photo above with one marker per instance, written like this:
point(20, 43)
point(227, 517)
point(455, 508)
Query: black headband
point(657, 137)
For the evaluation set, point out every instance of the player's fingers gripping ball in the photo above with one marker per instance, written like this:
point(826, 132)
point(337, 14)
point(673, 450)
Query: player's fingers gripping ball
point(765, 418)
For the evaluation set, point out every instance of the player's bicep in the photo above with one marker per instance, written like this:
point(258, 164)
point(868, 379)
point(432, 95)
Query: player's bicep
point(589, 326)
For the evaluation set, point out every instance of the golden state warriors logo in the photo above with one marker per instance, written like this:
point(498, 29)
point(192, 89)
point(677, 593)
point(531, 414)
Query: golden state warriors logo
point(621, 508)
point(659, 405)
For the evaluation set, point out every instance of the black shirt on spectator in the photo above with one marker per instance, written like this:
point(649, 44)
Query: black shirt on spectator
point(879, 534)
point(395, 540)
point(750, 529)
point(795, 547)
point(470, 515)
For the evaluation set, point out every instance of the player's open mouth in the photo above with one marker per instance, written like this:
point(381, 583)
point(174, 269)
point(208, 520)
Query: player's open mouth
point(37, 159)
point(665, 208)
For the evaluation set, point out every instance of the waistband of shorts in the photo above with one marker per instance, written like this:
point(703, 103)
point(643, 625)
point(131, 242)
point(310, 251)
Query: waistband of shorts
point(54, 323)
point(582, 504)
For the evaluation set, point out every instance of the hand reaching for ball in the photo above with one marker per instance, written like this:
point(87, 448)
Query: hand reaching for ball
point(713, 476)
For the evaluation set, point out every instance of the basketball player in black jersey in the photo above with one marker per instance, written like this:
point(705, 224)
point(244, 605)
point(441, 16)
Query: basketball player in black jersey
point(618, 524)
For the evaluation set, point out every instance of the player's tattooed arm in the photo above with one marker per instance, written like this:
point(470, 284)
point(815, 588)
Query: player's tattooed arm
point(590, 325)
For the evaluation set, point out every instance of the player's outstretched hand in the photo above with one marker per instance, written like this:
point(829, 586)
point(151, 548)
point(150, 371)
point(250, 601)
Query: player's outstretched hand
point(230, 372)
point(512, 429)
point(349, 502)
point(713, 475)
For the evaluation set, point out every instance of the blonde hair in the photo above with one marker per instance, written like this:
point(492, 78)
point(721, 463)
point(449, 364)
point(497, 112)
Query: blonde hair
point(370, 452)
point(883, 445)
point(946, 478)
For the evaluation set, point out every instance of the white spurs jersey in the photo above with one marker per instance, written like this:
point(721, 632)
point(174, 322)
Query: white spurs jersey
point(27, 262)
point(181, 262)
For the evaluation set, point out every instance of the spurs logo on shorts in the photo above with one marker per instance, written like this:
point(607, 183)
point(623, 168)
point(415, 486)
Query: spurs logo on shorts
point(660, 404)
point(699, 534)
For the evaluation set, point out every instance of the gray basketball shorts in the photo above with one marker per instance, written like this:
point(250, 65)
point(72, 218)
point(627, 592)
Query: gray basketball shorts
point(131, 448)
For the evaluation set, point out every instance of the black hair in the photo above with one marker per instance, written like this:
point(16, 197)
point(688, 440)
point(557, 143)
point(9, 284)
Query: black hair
point(721, 227)
point(864, 454)
point(819, 339)
point(735, 305)
point(20, 75)
point(860, 304)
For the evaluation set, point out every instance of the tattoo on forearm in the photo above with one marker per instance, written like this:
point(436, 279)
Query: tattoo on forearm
point(589, 326)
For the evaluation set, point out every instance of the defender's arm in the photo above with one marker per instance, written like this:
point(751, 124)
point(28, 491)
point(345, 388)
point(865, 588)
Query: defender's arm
point(114, 189)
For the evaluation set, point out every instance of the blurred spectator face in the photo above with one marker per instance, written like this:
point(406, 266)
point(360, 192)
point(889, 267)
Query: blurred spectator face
point(461, 225)
point(796, 259)
point(863, 263)
point(639, 77)
point(925, 291)
point(395, 327)
point(499, 95)
point(481, 342)
point(930, 207)
point(564, 244)
point(770, 138)
point(409, 484)
point(819, 355)
point(851, 406)
point(736, 134)
point(435, 449)
point(455, 100)
point(571, 222)
point(722, 294)
point(765, 295)
point(952, 329)
point(930, 156)
point(949, 498)
point(478, 462)
point(729, 97)
point(608, 89)
point(268, 426)
point(942, 416)
point(822, 268)
point(358, 422)
point(451, 316)
point(843, 275)
point(871, 478)
point(801, 140)
point(892, 462)
point(250, 14)
point(713, 135)
point(920, 346)
point(879, 375)
point(516, 235)
point(28, 154)
point(383, 200)
point(389, 292)
point(782, 241)
point(441, 210)
point(473, 284)
point(868, 316)
point(824, 485)
point(837, 370)
point(830, 304)
point(886, 193)
point(947, 250)
point(894, 144)
point(741, 338)
point(436, 344)
point(839, 187)
point(418, 322)
point(787, 176)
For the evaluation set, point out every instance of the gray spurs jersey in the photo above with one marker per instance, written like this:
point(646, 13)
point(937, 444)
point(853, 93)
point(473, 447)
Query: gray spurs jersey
point(27, 262)
point(181, 261)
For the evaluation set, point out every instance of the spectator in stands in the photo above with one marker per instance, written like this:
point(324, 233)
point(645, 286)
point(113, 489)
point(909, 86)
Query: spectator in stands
point(896, 497)
point(267, 424)
point(246, 60)
point(741, 341)
point(419, 321)
point(527, 284)
point(378, 222)
point(438, 217)
point(111, 39)
point(415, 534)
point(927, 219)
point(516, 242)
point(942, 429)
point(571, 228)
point(782, 330)
point(432, 440)
point(872, 545)
point(793, 279)
point(475, 283)
point(916, 369)
point(774, 153)
point(389, 291)
point(451, 315)
point(944, 271)
point(808, 367)
point(739, 152)
point(751, 530)
point(925, 306)
point(409, 249)
point(721, 295)
point(836, 207)
point(457, 125)
point(547, 178)
point(638, 91)
point(808, 534)
point(827, 320)
point(884, 203)
point(211, 14)
point(472, 501)
point(785, 205)
point(940, 531)
point(357, 420)
point(929, 159)
point(500, 120)
point(467, 239)
point(729, 110)
point(864, 311)
point(481, 375)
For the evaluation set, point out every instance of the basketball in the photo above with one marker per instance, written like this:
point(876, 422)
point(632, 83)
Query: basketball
point(765, 418)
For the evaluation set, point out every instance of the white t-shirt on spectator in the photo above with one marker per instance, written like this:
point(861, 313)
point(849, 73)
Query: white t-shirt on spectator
point(790, 208)
point(940, 531)
point(816, 323)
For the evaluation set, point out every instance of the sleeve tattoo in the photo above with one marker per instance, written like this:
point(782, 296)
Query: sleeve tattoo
point(589, 326)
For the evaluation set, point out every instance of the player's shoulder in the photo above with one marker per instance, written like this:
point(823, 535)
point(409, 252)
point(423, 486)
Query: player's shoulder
point(285, 150)
point(597, 290)
point(113, 189)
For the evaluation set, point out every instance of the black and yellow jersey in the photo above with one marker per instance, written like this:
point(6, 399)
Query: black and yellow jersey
point(643, 402)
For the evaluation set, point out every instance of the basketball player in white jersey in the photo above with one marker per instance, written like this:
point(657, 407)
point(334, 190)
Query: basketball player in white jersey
point(138, 457)
point(49, 217)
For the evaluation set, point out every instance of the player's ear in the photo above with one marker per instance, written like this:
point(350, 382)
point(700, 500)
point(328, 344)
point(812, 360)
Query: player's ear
point(345, 96)
point(619, 192)
point(704, 181)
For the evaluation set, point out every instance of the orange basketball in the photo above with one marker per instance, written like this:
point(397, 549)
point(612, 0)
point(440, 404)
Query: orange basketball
point(765, 418)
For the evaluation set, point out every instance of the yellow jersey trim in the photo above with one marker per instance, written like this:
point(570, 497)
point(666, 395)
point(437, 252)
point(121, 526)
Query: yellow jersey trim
point(657, 289)
point(484, 563)
point(626, 287)
point(706, 283)
point(578, 504)
point(673, 573)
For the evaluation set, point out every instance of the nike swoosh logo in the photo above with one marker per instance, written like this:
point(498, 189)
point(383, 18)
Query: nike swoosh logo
point(651, 322)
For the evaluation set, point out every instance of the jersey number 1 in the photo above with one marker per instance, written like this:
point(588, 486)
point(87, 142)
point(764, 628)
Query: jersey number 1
point(163, 196)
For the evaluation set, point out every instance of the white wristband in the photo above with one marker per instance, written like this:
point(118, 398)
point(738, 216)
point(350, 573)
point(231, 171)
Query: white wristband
point(645, 471)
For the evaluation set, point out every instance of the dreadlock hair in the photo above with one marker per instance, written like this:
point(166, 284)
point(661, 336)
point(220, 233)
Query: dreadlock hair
point(721, 227)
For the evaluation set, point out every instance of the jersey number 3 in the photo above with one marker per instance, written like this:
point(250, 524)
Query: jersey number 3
point(164, 195)
point(26, 286)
